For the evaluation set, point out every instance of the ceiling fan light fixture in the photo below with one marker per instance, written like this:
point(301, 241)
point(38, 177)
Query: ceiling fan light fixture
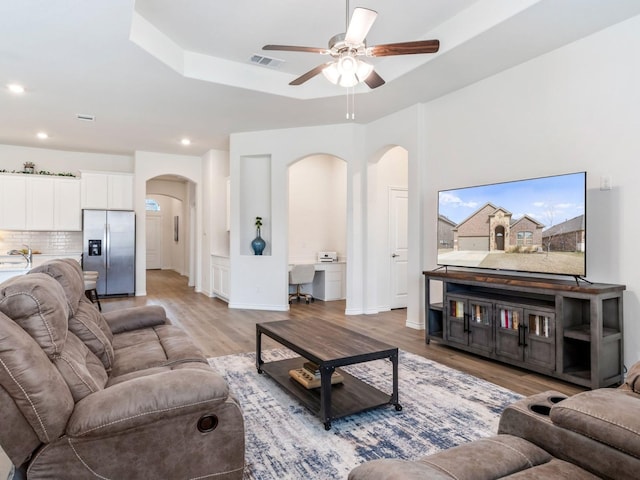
point(347, 72)
point(347, 65)
point(331, 73)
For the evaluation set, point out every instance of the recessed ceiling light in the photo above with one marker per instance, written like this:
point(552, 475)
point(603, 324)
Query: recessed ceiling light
point(42, 135)
point(185, 141)
point(15, 88)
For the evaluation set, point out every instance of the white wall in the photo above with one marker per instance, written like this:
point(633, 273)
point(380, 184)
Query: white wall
point(317, 208)
point(261, 282)
point(577, 108)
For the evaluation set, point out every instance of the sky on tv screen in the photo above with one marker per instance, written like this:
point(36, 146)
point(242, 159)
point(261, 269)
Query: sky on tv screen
point(549, 200)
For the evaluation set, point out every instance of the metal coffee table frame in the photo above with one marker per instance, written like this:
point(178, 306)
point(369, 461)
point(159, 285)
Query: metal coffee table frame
point(330, 347)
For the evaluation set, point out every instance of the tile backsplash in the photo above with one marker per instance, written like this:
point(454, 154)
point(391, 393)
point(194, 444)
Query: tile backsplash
point(45, 242)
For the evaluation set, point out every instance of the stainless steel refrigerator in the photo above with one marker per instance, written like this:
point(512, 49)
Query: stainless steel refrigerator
point(109, 243)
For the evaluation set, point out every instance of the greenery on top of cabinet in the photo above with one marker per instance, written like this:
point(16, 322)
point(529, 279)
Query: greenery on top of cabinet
point(40, 172)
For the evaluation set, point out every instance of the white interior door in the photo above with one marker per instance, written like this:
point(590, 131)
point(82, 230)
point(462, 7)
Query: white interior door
point(154, 240)
point(398, 241)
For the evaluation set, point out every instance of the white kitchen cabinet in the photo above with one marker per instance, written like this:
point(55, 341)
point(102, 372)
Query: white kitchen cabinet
point(67, 210)
point(220, 277)
point(108, 191)
point(39, 203)
point(39, 197)
point(120, 192)
point(13, 208)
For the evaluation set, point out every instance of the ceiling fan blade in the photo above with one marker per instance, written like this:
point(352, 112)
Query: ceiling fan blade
point(359, 26)
point(310, 74)
point(404, 48)
point(374, 80)
point(294, 48)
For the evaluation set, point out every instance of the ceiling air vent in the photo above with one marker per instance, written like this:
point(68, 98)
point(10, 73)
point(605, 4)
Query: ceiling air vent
point(85, 117)
point(265, 61)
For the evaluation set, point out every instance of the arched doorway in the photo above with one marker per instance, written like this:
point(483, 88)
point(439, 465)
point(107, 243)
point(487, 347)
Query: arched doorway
point(499, 233)
point(168, 229)
point(318, 221)
point(388, 229)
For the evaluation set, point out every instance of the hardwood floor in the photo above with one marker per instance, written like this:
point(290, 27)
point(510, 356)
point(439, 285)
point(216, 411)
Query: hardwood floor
point(219, 330)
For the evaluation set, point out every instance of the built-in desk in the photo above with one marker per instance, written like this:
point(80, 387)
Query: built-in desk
point(329, 282)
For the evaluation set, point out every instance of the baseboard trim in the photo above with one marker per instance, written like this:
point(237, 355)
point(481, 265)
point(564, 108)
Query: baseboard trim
point(271, 308)
point(415, 325)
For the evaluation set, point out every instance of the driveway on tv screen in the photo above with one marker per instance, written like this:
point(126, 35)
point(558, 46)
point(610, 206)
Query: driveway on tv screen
point(552, 262)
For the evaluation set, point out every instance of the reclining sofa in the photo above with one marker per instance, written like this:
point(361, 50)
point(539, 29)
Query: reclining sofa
point(118, 395)
point(590, 435)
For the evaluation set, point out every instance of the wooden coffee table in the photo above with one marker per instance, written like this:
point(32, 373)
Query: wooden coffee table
point(329, 346)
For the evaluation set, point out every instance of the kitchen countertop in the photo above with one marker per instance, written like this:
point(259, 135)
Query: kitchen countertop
point(18, 263)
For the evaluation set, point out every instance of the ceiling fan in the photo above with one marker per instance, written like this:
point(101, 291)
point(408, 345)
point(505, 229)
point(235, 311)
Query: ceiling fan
point(346, 68)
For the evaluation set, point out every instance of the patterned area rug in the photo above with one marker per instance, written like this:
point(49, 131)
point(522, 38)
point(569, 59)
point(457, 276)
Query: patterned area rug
point(441, 408)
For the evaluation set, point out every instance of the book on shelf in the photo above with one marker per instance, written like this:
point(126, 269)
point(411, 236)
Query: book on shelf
point(312, 368)
point(540, 325)
point(477, 313)
point(457, 309)
point(509, 319)
point(309, 381)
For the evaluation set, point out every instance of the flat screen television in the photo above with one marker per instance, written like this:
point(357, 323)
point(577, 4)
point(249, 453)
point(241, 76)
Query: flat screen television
point(536, 225)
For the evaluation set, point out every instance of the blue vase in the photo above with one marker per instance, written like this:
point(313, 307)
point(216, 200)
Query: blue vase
point(258, 244)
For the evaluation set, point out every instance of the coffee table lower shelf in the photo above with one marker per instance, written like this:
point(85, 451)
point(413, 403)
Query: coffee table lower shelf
point(349, 397)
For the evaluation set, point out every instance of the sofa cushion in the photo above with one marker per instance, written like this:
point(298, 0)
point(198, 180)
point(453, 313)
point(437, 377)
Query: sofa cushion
point(35, 386)
point(68, 274)
point(37, 303)
point(114, 380)
point(485, 459)
point(607, 415)
point(162, 345)
point(556, 470)
point(89, 325)
point(81, 369)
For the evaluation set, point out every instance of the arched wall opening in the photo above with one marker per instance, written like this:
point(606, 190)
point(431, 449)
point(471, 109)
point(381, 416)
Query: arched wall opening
point(165, 234)
point(387, 227)
point(179, 177)
point(317, 221)
point(174, 226)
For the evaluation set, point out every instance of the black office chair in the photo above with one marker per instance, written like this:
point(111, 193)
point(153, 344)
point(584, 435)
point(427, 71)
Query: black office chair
point(298, 276)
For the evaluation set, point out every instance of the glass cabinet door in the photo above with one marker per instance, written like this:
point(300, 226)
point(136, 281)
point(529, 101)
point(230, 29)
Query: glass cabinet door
point(456, 330)
point(509, 339)
point(480, 325)
point(540, 348)
point(480, 312)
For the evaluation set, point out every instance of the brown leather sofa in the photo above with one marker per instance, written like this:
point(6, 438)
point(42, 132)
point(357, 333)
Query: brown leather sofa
point(594, 434)
point(118, 395)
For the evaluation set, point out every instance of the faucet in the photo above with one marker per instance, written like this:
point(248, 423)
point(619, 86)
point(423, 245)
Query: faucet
point(27, 256)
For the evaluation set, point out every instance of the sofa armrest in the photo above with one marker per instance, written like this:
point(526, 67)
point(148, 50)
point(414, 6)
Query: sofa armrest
point(145, 400)
point(534, 419)
point(607, 415)
point(135, 318)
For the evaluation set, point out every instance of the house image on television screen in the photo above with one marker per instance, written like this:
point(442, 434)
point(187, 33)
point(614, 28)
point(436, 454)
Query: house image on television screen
point(492, 238)
point(531, 225)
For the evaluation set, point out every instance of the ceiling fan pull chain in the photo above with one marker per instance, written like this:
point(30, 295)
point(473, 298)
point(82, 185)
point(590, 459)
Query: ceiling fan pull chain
point(353, 103)
point(347, 95)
